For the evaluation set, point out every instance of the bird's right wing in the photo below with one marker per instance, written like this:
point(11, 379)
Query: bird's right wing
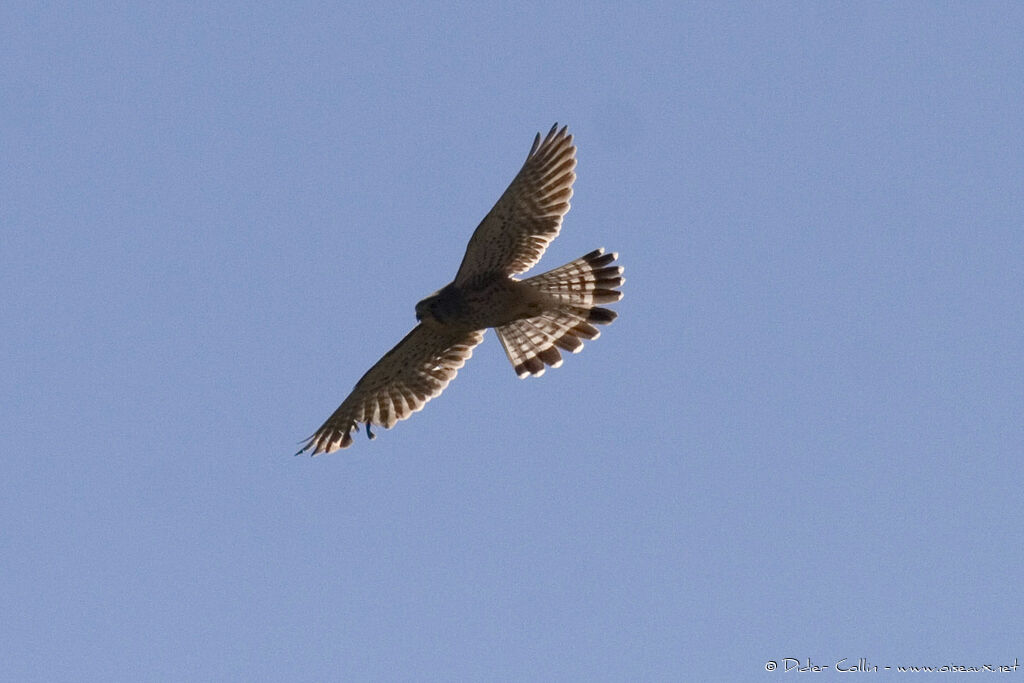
point(401, 383)
point(514, 234)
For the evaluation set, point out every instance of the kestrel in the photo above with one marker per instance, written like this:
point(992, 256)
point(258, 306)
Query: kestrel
point(534, 318)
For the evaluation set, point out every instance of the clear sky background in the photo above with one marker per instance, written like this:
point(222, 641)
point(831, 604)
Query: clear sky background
point(801, 438)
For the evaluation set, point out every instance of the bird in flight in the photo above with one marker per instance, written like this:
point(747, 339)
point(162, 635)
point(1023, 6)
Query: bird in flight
point(534, 318)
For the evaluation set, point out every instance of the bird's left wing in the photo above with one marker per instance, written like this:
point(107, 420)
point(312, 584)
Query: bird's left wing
point(415, 371)
point(514, 234)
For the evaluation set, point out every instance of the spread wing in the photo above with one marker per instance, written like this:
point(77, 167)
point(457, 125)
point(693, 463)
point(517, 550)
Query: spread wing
point(514, 235)
point(401, 383)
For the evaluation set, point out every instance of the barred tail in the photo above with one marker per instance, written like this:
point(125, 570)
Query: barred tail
point(576, 287)
point(586, 281)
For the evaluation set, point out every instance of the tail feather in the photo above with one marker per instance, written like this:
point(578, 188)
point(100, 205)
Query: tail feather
point(587, 281)
point(533, 343)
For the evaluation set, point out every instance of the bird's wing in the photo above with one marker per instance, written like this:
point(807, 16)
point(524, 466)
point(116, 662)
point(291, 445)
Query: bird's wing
point(415, 371)
point(514, 235)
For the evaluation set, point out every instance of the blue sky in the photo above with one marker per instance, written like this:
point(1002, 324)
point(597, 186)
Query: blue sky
point(802, 437)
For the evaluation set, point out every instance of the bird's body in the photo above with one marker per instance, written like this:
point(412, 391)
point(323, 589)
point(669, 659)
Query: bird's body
point(534, 318)
point(490, 302)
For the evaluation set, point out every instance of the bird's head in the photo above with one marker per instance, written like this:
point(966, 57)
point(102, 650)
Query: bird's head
point(439, 306)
